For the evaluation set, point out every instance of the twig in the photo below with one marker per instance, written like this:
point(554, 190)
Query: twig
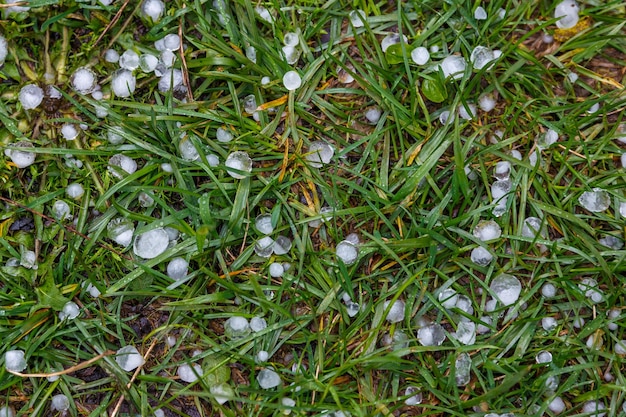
point(112, 22)
point(68, 370)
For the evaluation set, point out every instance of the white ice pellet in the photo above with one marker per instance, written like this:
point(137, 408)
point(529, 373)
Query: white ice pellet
point(171, 42)
point(123, 83)
point(83, 80)
point(171, 79)
point(567, 11)
point(120, 230)
point(4, 49)
point(594, 408)
point(557, 405)
point(111, 55)
point(292, 80)
point(92, 290)
point(153, 9)
point(597, 200)
point(276, 270)
point(487, 230)
point(167, 58)
point(129, 358)
point(264, 247)
point(480, 13)
point(224, 135)
point(70, 311)
point(264, 14)
point(343, 76)
point(620, 348)
point(148, 62)
point(75, 190)
point(262, 356)
point(238, 164)
point(263, 224)
point(548, 290)
point(468, 111)
point(487, 102)
point(320, 153)
point(290, 54)
point(466, 332)
point(420, 55)
point(444, 116)
point(250, 104)
point(291, 39)
point(151, 244)
point(612, 314)
point(14, 360)
point(189, 373)
point(372, 114)
point(61, 210)
point(486, 327)
point(121, 165)
point(236, 327)
point(265, 80)
point(20, 158)
point(60, 403)
point(543, 357)
point(415, 396)
point(548, 323)
point(257, 324)
point(448, 298)
point(251, 53)
point(506, 288)
point(502, 171)
point(282, 245)
point(347, 252)
point(453, 66)
point(30, 96)
point(481, 57)
point(396, 312)
point(357, 18)
point(392, 39)
point(546, 139)
point(129, 60)
point(177, 268)
point(481, 256)
point(268, 378)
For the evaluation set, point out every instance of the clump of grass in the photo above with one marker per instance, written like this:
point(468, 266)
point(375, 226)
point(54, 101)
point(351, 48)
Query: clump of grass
point(400, 181)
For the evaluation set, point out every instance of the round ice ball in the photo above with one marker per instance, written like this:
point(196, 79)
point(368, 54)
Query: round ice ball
point(30, 96)
point(123, 83)
point(177, 268)
point(83, 80)
point(453, 66)
point(111, 56)
point(151, 244)
point(237, 164)
point(420, 55)
point(4, 49)
point(153, 9)
point(21, 159)
point(292, 80)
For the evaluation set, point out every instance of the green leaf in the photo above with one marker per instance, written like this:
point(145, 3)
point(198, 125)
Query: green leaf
point(48, 294)
point(394, 54)
point(434, 90)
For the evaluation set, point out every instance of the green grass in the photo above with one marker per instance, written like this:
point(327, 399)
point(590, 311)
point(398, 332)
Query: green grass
point(400, 184)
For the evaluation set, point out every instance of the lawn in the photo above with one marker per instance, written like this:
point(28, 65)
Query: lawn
point(227, 208)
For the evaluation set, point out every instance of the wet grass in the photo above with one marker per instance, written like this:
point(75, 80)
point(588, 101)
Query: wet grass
point(413, 189)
